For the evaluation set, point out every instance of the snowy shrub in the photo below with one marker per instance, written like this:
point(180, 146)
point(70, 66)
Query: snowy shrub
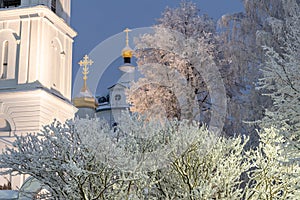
point(142, 159)
point(274, 176)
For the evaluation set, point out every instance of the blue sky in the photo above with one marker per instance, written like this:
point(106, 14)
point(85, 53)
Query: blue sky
point(97, 20)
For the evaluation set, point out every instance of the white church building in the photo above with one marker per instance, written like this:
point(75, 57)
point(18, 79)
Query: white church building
point(35, 71)
point(36, 75)
point(108, 108)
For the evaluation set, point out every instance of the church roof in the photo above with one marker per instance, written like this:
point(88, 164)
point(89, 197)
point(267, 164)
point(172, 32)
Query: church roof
point(85, 92)
point(35, 86)
point(85, 99)
point(117, 84)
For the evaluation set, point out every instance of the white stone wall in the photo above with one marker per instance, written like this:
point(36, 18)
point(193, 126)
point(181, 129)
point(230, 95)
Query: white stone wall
point(117, 96)
point(37, 88)
point(41, 48)
point(27, 111)
point(106, 115)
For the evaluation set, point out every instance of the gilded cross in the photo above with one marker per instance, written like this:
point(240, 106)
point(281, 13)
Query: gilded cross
point(85, 63)
point(127, 30)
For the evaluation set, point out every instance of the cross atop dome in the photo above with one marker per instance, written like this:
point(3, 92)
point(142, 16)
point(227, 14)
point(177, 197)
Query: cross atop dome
point(127, 30)
point(85, 62)
point(85, 98)
point(127, 51)
point(127, 54)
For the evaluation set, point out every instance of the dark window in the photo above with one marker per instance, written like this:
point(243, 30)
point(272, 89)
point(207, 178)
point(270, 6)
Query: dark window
point(53, 5)
point(3, 68)
point(127, 60)
point(4, 125)
point(118, 97)
point(9, 3)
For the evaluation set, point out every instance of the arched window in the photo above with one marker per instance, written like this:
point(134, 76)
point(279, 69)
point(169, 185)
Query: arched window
point(57, 70)
point(4, 62)
point(4, 125)
point(8, 54)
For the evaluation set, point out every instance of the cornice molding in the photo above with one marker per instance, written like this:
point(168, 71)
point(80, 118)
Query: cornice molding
point(21, 13)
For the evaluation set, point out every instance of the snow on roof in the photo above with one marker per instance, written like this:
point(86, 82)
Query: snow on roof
point(117, 84)
point(85, 93)
point(103, 107)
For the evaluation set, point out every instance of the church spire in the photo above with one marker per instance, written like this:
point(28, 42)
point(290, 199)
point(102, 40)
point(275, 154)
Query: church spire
point(127, 54)
point(127, 51)
point(127, 30)
point(85, 98)
point(85, 71)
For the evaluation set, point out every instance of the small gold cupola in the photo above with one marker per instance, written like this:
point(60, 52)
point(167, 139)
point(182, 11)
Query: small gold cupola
point(127, 54)
point(127, 51)
point(85, 98)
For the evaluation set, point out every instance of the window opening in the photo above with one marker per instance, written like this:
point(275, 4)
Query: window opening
point(53, 5)
point(9, 3)
point(3, 70)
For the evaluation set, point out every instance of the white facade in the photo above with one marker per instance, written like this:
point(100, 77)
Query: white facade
point(62, 8)
point(112, 111)
point(39, 49)
point(35, 68)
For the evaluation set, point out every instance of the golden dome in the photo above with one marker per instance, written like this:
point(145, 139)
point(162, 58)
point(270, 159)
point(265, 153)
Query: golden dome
point(85, 102)
point(85, 99)
point(127, 52)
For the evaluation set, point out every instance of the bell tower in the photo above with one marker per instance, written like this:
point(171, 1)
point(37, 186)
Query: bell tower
point(61, 8)
point(35, 67)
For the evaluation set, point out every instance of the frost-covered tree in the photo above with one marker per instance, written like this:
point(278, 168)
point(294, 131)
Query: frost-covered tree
point(282, 74)
point(61, 162)
point(243, 43)
point(205, 169)
point(177, 62)
point(274, 175)
point(142, 159)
